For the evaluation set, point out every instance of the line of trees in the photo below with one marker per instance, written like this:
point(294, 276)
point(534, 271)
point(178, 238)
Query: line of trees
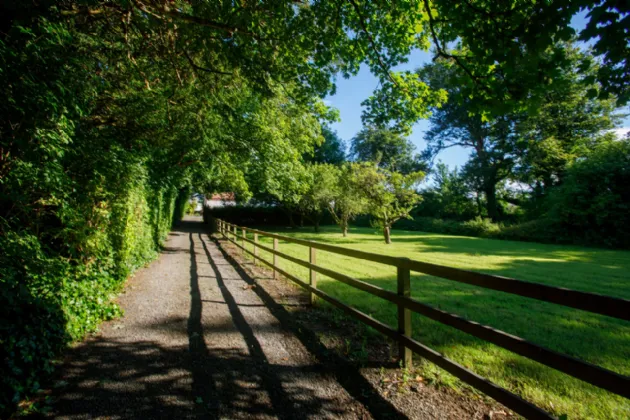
point(380, 180)
point(526, 167)
point(113, 110)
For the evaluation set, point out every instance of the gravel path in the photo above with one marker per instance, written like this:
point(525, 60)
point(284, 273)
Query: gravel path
point(197, 341)
point(209, 335)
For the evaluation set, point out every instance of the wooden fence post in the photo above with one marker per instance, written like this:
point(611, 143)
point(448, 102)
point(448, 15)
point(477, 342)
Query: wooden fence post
point(255, 247)
point(404, 315)
point(313, 273)
point(243, 240)
point(275, 258)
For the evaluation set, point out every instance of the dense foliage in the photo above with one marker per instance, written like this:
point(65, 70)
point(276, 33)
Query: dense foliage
point(115, 111)
point(387, 148)
point(332, 150)
point(593, 202)
point(522, 161)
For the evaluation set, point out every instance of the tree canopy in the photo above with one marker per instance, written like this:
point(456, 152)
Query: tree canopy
point(531, 146)
point(332, 149)
point(114, 110)
point(387, 148)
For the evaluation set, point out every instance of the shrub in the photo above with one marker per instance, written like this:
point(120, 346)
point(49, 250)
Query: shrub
point(247, 215)
point(593, 203)
point(48, 299)
point(542, 230)
point(475, 227)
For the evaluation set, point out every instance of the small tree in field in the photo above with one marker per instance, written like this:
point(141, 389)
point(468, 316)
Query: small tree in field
point(322, 185)
point(391, 196)
point(349, 196)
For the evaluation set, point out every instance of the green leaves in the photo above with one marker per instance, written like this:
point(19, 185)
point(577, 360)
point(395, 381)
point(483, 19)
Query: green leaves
point(404, 99)
point(386, 148)
point(390, 196)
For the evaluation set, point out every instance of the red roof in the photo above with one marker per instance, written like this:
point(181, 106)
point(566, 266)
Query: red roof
point(222, 196)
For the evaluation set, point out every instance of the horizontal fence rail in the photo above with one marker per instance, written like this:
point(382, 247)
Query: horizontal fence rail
point(585, 371)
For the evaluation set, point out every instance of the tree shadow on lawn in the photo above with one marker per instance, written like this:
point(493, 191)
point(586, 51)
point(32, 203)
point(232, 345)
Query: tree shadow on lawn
point(597, 339)
point(592, 337)
point(591, 270)
point(588, 269)
point(439, 242)
point(309, 234)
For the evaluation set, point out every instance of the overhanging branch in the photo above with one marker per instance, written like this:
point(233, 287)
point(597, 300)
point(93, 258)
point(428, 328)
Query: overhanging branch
point(372, 42)
point(207, 70)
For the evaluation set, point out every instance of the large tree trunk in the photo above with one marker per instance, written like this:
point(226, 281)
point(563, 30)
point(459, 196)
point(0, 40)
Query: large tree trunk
point(291, 221)
point(387, 234)
point(316, 226)
point(488, 178)
point(479, 205)
point(491, 201)
point(344, 229)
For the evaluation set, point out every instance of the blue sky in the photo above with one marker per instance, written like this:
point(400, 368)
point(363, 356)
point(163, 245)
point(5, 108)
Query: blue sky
point(351, 92)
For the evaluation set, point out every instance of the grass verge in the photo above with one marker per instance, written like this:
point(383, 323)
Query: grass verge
point(594, 338)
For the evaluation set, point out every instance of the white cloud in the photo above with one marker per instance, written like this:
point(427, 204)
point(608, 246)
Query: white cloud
point(621, 132)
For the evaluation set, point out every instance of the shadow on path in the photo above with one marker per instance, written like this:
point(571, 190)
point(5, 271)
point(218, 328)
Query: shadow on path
point(343, 371)
point(177, 355)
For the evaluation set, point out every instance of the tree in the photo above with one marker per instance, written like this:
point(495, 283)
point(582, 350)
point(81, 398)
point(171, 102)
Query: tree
point(387, 148)
point(349, 198)
point(567, 125)
point(532, 145)
point(593, 203)
point(511, 52)
point(322, 183)
point(456, 124)
point(390, 196)
point(332, 150)
point(449, 198)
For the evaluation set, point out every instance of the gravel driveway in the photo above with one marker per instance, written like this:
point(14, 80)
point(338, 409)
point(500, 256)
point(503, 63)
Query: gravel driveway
point(207, 335)
point(197, 341)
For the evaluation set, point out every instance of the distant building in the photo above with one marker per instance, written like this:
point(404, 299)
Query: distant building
point(220, 200)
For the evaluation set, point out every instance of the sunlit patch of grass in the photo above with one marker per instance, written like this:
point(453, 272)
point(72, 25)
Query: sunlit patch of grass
point(597, 339)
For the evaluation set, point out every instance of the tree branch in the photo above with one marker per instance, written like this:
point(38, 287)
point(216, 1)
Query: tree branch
point(372, 42)
point(443, 53)
point(230, 30)
point(207, 70)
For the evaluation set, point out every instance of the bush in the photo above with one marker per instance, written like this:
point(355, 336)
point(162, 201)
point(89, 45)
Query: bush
point(246, 215)
point(48, 299)
point(542, 230)
point(476, 227)
point(593, 204)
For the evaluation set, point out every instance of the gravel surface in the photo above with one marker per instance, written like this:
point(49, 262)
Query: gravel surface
point(196, 341)
point(204, 336)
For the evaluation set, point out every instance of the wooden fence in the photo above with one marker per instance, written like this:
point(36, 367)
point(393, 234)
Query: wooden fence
point(599, 304)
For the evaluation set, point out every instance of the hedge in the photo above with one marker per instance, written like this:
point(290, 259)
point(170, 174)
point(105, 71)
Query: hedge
point(48, 300)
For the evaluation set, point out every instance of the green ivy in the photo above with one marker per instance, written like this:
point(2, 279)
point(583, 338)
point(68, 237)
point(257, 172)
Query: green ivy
point(48, 300)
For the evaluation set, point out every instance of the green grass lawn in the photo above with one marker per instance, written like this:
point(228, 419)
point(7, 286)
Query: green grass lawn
point(597, 339)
